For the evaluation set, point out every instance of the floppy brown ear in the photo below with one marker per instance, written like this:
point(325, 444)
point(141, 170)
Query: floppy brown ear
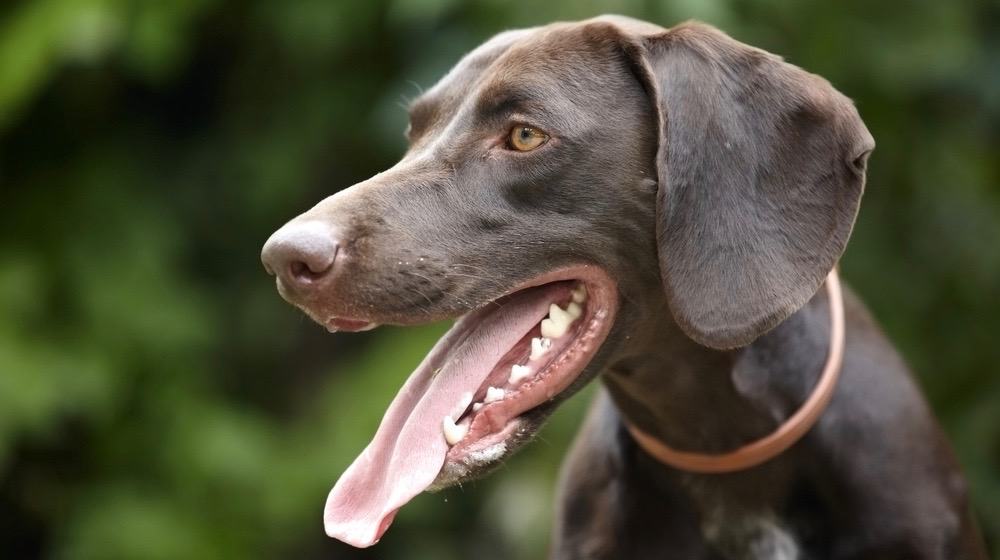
point(761, 167)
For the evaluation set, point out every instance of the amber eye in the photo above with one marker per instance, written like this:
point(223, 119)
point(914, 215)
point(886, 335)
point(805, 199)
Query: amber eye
point(526, 138)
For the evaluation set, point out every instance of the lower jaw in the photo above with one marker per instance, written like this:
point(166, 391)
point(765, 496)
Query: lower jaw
point(479, 458)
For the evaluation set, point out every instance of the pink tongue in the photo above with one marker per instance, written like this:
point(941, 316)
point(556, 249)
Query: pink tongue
point(409, 448)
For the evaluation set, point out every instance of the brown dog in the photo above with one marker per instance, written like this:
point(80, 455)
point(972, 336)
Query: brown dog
point(659, 207)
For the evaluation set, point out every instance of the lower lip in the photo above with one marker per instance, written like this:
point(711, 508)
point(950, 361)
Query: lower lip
point(349, 325)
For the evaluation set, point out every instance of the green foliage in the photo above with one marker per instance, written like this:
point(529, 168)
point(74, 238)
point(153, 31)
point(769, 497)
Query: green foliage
point(158, 400)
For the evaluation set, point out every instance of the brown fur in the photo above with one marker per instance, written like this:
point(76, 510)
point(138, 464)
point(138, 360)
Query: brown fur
point(718, 185)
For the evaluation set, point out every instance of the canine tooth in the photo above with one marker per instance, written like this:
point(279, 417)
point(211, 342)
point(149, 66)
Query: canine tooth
point(494, 394)
point(580, 294)
point(453, 433)
point(476, 406)
point(539, 346)
point(517, 373)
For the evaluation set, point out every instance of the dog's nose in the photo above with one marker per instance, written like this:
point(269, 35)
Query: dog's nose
point(300, 253)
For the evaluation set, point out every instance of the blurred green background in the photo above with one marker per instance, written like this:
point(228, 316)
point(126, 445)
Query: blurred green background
point(159, 400)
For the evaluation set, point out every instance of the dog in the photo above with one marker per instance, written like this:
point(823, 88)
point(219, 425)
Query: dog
point(662, 208)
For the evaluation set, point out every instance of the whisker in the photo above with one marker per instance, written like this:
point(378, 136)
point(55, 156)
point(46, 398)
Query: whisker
point(469, 266)
point(491, 282)
point(416, 86)
point(423, 295)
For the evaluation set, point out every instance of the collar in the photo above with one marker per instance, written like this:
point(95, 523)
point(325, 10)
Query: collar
point(772, 445)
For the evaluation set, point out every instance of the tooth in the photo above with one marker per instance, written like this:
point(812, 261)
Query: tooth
point(574, 310)
point(493, 394)
point(559, 314)
point(539, 346)
point(453, 433)
point(551, 330)
point(476, 406)
point(558, 322)
point(580, 294)
point(517, 373)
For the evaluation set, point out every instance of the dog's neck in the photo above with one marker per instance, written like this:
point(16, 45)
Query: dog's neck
point(697, 399)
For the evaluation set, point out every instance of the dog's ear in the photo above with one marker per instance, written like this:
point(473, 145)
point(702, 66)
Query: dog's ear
point(761, 167)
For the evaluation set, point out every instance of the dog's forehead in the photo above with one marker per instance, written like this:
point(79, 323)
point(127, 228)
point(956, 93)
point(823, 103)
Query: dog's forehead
point(543, 42)
point(470, 69)
point(554, 52)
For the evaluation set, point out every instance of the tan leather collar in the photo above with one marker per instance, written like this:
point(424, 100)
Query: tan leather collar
point(772, 445)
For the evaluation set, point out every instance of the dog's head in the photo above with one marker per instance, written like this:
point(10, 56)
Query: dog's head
point(561, 184)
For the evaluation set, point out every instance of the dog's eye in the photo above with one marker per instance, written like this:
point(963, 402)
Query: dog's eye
point(525, 138)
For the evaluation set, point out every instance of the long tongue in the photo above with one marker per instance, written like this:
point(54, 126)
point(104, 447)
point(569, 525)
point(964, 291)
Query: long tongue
point(409, 448)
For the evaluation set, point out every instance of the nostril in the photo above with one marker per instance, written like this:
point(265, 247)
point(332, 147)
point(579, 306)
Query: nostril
point(304, 273)
point(300, 269)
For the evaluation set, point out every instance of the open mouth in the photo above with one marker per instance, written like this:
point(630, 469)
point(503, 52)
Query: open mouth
point(476, 396)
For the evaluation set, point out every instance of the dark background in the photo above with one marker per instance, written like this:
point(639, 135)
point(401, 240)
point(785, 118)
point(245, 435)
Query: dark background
point(159, 400)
